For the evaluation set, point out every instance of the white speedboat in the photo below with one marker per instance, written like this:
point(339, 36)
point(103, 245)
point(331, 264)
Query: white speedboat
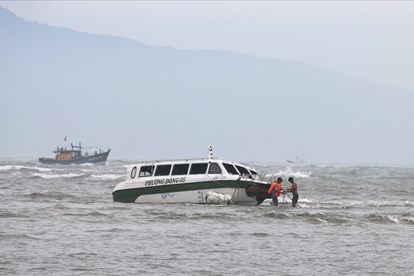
point(205, 181)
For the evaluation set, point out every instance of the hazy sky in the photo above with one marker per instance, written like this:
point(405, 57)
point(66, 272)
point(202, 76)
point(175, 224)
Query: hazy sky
point(369, 40)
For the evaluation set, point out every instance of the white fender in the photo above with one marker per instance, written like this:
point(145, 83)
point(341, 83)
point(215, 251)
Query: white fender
point(217, 198)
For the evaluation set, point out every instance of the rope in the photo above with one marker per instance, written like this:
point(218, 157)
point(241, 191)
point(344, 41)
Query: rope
point(292, 201)
point(284, 197)
point(221, 184)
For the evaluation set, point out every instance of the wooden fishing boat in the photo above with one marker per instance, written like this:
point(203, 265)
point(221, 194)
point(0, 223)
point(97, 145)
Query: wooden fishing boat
point(76, 155)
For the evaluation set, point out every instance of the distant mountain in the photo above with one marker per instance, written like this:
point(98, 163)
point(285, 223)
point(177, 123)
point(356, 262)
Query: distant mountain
point(158, 102)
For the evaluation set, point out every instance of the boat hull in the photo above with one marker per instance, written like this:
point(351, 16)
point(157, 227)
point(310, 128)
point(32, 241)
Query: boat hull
point(195, 192)
point(94, 159)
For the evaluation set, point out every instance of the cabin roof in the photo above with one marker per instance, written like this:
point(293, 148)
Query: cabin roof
point(65, 151)
point(188, 160)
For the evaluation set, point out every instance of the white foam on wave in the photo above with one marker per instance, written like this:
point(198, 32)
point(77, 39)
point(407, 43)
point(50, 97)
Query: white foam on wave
point(372, 203)
point(86, 164)
point(360, 203)
point(7, 168)
point(18, 167)
point(286, 202)
point(107, 176)
point(393, 219)
point(289, 172)
point(306, 200)
point(40, 169)
point(52, 176)
point(408, 203)
point(408, 220)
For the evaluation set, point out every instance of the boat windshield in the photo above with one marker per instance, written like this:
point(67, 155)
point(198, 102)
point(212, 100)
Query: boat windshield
point(230, 168)
point(242, 170)
point(146, 171)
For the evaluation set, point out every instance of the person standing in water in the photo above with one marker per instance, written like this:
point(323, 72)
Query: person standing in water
point(294, 191)
point(275, 190)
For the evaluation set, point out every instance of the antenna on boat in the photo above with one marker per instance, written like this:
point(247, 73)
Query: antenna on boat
point(210, 152)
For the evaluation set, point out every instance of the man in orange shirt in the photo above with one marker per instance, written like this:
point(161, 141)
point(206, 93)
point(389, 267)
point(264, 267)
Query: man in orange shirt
point(275, 190)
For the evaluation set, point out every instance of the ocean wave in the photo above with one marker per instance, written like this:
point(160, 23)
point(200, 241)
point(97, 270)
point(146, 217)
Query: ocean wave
point(92, 214)
point(9, 167)
point(345, 204)
point(52, 176)
point(278, 215)
point(321, 217)
point(407, 219)
point(17, 236)
point(336, 217)
point(343, 218)
point(260, 234)
point(86, 164)
point(282, 202)
point(310, 217)
point(381, 218)
point(406, 203)
point(156, 215)
point(288, 172)
point(58, 206)
point(7, 214)
point(107, 176)
point(20, 167)
point(49, 195)
point(409, 203)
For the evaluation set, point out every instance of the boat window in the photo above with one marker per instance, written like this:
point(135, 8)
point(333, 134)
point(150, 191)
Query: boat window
point(133, 172)
point(253, 172)
point(146, 171)
point(180, 169)
point(162, 170)
point(198, 168)
point(242, 170)
point(230, 168)
point(214, 169)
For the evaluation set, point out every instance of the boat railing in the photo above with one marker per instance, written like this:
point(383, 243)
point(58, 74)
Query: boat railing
point(174, 160)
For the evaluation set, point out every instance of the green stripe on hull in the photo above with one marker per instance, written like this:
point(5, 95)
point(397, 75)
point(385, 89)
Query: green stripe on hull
point(131, 195)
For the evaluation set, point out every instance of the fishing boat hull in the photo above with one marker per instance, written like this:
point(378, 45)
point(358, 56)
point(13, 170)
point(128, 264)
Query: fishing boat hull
point(94, 159)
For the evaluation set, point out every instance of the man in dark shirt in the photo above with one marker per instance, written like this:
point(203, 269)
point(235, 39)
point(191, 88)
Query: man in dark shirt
point(294, 190)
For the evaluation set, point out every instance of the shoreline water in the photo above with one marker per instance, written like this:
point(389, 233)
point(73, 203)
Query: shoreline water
point(62, 220)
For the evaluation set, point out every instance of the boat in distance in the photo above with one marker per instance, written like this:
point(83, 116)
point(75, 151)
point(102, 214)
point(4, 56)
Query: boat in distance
point(75, 155)
point(201, 180)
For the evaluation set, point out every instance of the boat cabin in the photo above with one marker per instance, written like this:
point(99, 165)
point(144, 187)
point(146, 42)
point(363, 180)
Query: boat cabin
point(62, 154)
point(191, 181)
point(188, 167)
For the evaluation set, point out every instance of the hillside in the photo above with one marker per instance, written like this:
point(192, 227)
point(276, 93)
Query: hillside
point(157, 102)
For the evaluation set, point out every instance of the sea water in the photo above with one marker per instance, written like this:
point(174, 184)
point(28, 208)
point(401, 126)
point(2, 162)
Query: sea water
point(61, 220)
